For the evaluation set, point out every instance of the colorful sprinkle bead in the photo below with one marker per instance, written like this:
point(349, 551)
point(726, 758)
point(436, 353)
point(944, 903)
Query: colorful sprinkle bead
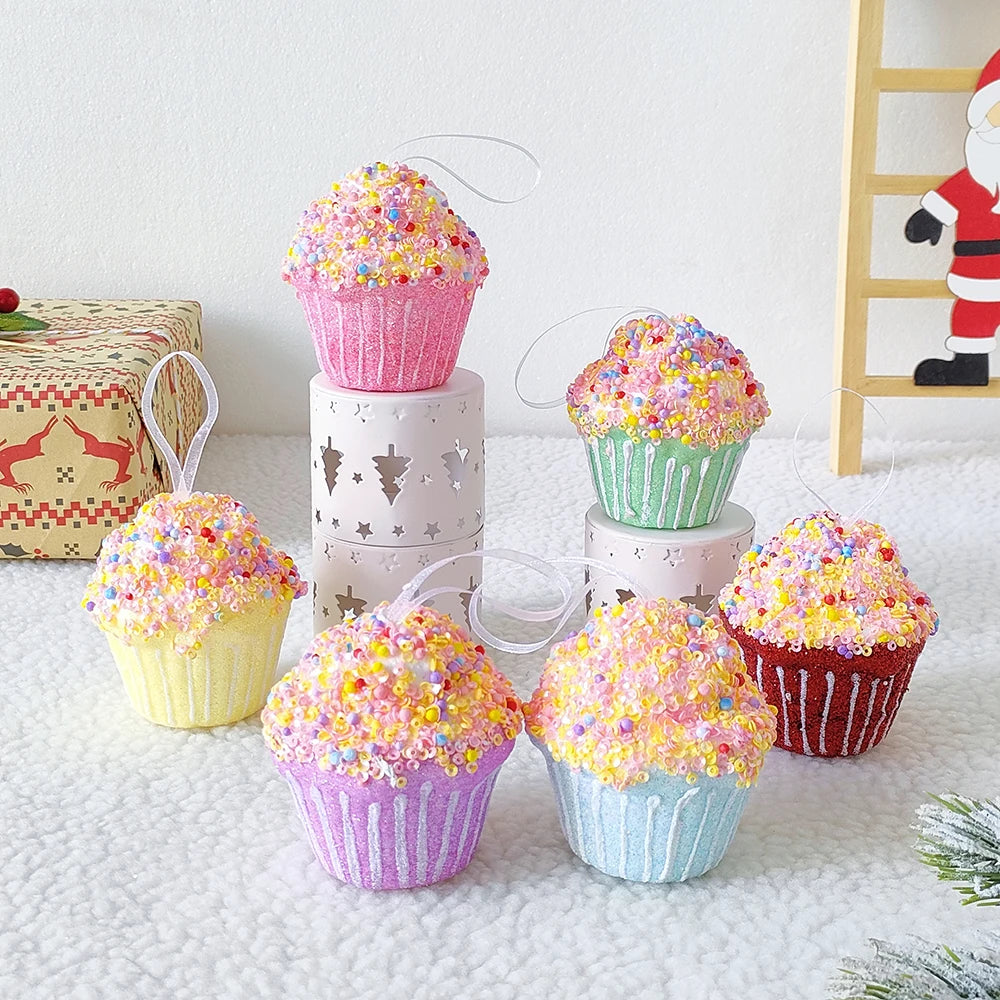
point(645, 691)
point(374, 698)
point(669, 378)
point(182, 565)
point(382, 225)
point(821, 583)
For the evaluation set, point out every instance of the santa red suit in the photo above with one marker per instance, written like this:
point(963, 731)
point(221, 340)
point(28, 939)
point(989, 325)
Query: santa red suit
point(969, 201)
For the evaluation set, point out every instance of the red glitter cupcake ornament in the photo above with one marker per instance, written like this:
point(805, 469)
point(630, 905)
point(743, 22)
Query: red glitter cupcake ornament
point(831, 626)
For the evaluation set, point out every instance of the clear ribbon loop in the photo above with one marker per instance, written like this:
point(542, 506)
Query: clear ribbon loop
point(548, 404)
point(410, 596)
point(853, 519)
point(528, 155)
point(181, 478)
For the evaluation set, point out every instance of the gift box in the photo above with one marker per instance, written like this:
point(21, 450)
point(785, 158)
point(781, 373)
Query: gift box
point(75, 459)
point(689, 564)
point(398, 482)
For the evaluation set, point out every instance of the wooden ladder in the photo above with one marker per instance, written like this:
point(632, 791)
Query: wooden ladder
point(867, 79)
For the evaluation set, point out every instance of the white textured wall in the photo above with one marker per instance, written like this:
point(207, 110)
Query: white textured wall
point(691, 153)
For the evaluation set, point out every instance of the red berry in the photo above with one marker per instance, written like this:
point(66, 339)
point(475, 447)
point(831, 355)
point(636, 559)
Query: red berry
point(830, 599)
point(886, 554)
point(9, 300)
point(751, 388)
point(723, 748)
point(403, 279)
point(455, 241)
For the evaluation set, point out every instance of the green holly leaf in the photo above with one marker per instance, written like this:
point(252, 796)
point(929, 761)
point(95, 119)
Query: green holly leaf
point(15, 322)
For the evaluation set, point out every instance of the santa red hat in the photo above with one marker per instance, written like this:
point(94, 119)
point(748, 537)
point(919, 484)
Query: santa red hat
point(987, 92)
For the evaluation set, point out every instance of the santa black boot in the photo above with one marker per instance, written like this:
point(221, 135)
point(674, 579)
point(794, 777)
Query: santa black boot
point(964, 369)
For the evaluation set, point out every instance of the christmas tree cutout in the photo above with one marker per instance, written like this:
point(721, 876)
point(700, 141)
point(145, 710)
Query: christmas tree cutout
point(702, 601)
point(391, 468)
point(348, 603)
point(466, 597)
point(454, 462)
point(331, 463)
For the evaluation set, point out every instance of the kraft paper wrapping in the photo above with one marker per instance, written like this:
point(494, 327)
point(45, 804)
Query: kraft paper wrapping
point(75, 460)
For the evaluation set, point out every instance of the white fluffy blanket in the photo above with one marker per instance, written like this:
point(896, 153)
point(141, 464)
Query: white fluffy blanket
point(142, 862)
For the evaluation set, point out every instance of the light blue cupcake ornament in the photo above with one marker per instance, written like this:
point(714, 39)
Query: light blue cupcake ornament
point(653, 734)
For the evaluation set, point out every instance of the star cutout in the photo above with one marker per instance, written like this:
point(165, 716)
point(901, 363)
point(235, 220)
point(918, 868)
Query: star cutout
point(432, 529)
point(326, 550)
point(364, 529)
point(426, 480)
point(423, 560)
point(333, 406)
point(432, 411)
point(389, 562)
point(674, 557)
point(475, 466)
point(399, 412)
point(706, 554)
point(456, 486)
point(364, 411)
point(355, 557)
point(326, 612)
point(398, 530)
point(461, 522)
point(357, 477)
point(335, 521)
point(639, 553)
point(463, 406)
point(319, 520)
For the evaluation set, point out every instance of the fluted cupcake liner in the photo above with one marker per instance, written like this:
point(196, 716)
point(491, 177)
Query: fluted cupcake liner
point(829, 706)
point(226, 680)
point(661, 830)
point(663, 484)
point(388, 339)
point(375, 836)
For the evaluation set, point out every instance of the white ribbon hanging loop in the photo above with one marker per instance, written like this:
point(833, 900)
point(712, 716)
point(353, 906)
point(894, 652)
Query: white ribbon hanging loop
point(625, 314)
point(853, 519)
point(528, 155)
point(181, 478)
point(410, 597)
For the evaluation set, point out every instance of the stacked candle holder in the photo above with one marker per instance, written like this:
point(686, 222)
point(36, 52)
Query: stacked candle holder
point(666, 416)
point(386, 274)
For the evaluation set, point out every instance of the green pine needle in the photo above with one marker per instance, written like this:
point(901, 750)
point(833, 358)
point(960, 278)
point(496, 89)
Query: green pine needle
point(960, 837)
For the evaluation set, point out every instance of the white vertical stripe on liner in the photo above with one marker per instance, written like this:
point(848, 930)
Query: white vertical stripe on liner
point(426, 790)
point(726, 829)
point(675, 828)
point(855, 680)
point(574, 784)
point(697, 493)
point(399, 829)
point(353, 868)
point(760, 675)
point(300, 808)
point(423, 341)
point(445, 321)
point(609, 450)
point(166, 688)
point(361, 325)
point(324, 822)
point(713, 510)
point(709, 798)
point(208, 689)
point(622, 834)
point(628, 451)
point(780, 671)
point(449, 818)
point(595, 453)
point(595, 812)
point(831, 683)
point(465, 825)
point(647, 481)
point(489, 784)
point(803, 678)
point(882, 718)
point(381, 337)
point(375, 843)
point(868, 715)
point(407, 309)
point(561, 806)
point(652, 804)
point(685, 476)
point(667, 481)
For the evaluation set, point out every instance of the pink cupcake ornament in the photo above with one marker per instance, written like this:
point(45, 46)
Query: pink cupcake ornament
point(386, 273)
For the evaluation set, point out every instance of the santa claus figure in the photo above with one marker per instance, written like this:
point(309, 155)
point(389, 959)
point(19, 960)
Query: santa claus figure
point(969, 201)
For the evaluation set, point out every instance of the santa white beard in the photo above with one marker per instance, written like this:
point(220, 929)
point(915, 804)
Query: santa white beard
point(982, 157)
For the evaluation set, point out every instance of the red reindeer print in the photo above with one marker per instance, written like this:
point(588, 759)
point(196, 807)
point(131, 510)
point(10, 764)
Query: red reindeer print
point(119, 453)
point(32, 448)
point(139, 442)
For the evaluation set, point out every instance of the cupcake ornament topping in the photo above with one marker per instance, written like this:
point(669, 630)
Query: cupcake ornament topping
point(183, 564)
point(820, 583)
point(669, 378)
point(651, 684)
point(375, 699)
point(384, 224)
